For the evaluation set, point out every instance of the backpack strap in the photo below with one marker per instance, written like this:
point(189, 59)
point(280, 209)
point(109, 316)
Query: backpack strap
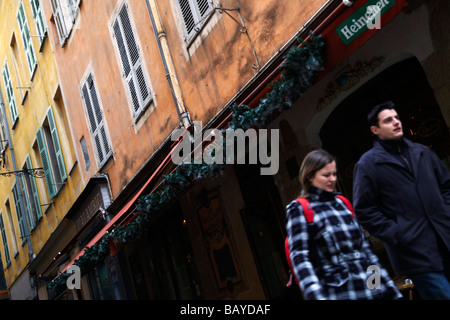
point(309, 214)
point(307, 210)
point(347, 203)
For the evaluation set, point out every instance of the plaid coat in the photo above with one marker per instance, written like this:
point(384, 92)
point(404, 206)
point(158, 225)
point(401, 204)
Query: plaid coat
point(330, 256)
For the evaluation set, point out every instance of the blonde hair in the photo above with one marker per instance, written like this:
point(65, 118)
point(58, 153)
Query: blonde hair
point(313, 162)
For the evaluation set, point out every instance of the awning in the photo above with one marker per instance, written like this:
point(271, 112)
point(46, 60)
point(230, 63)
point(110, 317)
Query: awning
point(124, 212)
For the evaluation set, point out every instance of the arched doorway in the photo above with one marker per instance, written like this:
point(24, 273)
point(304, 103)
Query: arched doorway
point(346, 134)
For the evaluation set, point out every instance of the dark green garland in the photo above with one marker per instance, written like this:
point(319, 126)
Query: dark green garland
point(299, 73)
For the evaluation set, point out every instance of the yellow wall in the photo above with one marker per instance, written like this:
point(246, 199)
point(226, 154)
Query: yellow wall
point(32, 104)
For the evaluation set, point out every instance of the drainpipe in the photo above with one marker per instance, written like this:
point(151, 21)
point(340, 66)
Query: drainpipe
point(161, 39)
point(21, 201)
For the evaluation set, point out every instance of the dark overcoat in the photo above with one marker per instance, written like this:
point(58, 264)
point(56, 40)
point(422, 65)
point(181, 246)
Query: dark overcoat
point(330, 255)
point(409, 212)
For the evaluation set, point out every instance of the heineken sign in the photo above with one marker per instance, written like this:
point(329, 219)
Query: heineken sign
point(366, 17)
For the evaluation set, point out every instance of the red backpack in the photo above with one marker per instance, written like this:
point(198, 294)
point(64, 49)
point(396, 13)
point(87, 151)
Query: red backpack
point(309, 215)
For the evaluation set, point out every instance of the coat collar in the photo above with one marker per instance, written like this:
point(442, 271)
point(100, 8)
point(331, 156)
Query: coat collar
point(383, 156)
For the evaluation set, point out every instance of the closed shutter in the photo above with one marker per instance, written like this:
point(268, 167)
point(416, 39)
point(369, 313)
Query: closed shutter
point(188, 17)
point(27, 203)
point(38, 19)
point(194, 14)
point(96, 121)
point(5, 241)
point(19, 212)
point(56, 145)
point(131, 62)
point(46, 163)
point(34, 192)
point(10, 94)
point(27, 44)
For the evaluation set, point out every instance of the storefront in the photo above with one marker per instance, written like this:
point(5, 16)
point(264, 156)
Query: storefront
point(223, 237)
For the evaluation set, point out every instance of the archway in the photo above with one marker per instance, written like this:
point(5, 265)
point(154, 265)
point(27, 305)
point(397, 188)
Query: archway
point(346, 134)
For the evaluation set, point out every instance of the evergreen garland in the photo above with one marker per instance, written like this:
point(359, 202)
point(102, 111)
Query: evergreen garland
point(300, 68)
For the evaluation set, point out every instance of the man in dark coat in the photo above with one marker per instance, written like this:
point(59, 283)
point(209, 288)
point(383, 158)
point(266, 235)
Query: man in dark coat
point(401, 195)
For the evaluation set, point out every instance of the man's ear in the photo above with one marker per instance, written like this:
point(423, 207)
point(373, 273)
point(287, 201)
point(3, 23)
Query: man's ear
point(375, 130)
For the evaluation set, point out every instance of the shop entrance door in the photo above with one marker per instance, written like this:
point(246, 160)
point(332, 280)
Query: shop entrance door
point(264, 220)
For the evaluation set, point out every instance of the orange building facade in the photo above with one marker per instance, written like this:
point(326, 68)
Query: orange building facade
point(133, 72)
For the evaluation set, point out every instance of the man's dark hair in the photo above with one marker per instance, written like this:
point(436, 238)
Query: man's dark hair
point(372, 117)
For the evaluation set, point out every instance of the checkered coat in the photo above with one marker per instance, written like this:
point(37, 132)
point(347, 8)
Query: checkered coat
point(331, 256)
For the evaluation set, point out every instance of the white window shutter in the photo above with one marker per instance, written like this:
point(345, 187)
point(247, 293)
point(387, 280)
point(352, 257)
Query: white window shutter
point(96, 121)
point(131, 62)
point(194, 14)
point(26, 39)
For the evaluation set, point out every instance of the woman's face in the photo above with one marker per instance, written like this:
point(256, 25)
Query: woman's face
point(325, 178)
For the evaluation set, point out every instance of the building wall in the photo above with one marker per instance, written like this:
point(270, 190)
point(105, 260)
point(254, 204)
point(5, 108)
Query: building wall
point(39, 91)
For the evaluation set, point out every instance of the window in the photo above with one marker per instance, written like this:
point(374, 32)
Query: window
point(96, 122)
point(47, 138)
point(87, 160)
point(3, 135)
point(19, 212)
point(10, 94)
point(12, 230)
point(194, 14)
point(64, 14)
point(31, 196)
point(5, 240)
point(27, 44)
point(39, 21)
point(131, 62)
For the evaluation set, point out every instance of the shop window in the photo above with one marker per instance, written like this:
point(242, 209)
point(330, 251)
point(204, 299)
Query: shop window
point(173, 270)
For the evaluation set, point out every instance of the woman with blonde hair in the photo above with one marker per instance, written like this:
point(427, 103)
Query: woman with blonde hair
point(330, 255)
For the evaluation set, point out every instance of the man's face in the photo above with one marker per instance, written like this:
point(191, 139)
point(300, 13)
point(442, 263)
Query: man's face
point(389, 125)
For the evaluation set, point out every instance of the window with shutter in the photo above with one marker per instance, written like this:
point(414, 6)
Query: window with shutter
point(96, 122)
point(39, 21)
point(45, 163)
point(56, 145)
point(27, 43)
point(194, 14)
point(31, 196)
point(10, 94)
point(131, 62)
point(5, 241)
point(19, 212)
point(52, 158)
point(64, 15)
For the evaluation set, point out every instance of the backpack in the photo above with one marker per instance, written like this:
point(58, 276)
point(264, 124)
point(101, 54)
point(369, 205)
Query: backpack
point(309, 215)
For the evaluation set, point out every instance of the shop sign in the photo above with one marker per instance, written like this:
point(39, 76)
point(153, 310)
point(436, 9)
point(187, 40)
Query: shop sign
point(366, 17)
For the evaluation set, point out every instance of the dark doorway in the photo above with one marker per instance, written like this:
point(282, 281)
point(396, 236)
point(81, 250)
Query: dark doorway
point(346, 134)
point(264, 220)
